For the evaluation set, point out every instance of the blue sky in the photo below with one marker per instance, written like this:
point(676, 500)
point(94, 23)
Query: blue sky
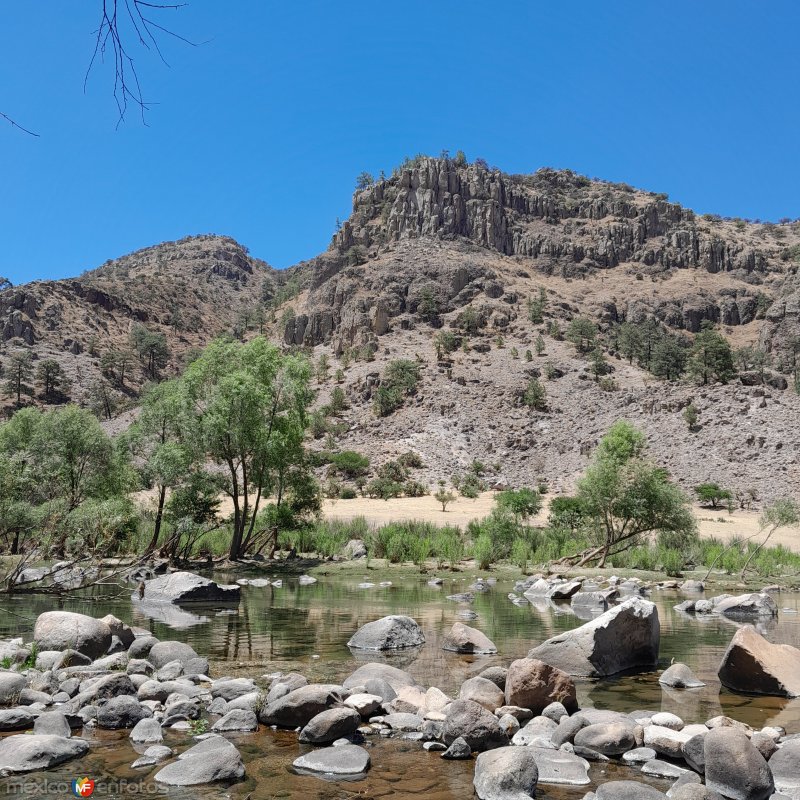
point(260, 131)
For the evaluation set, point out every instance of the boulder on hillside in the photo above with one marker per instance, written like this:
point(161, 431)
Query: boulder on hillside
point(532, 684)
point(753, 665)
point(388, 633)
point(508, 773)
point(62, 630)
point(624, 637)
point(463, 639)
point(185, 588)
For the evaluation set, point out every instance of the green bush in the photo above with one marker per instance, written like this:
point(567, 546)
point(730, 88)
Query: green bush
point(348, 493)
point(350, 463)
point(521, 553)
point(383, 488)
point(410, 460)
point(413, 488)
point(399, 380)
point(483, 551)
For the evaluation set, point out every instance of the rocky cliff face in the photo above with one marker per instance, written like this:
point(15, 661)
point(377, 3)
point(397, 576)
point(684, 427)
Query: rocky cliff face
point(460, 232)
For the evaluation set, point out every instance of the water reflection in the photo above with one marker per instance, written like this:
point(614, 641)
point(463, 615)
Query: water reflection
point(307, 628)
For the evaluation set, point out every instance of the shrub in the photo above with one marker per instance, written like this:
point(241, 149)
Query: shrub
point(338, 399)
point(347, 493)
point(412, 488)
point(471, 485)
point(535, 396)
point(350, 463)
point(712, 493)
point(399, 380)
point(483, 551)
point(410, 460)
point(522, 503)
point(448, 547)
point(521, 553)
point(443, 496)
point(393, 471)
point(383, 488)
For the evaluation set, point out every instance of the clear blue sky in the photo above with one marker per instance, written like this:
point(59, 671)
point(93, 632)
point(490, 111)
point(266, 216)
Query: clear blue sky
point(260, 132)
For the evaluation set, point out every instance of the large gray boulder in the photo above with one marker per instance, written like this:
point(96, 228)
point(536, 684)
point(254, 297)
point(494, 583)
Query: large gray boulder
point(530, 683)
point(482, 691)
point(734, 767)
point(27, 752)
point(753, 665)
point(610, 739)
point(627, 790)
point(186, 588)
point(463, 639)
point(52, 723)
point(300, 706)
point(785, 766)
point(237, 719)
point(11, 684)
point(747, 606)
point(15, 719)
point(348, 759)
point(62, 630)
point(679, 676)
point(508, 773)
point(163, 653)
point(473, 723)
point(121, 712)
point(388, 633)
point(330, 725)
point(147, 731)
point(558, 767)
point(624, 637)
point(214, 759)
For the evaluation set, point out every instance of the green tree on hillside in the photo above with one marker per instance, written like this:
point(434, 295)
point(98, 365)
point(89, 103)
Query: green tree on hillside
point(711, 358)
point(19, 372)
point(252, 404)
point(629, 498)
point(152, 350)
point(51, 377)
point(582, 333)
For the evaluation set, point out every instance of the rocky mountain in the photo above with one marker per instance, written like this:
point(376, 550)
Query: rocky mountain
point(442, 245)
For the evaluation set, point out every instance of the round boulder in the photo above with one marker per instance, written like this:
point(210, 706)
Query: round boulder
point(463, 639)
point(61, 630)
point(508, 773)
point(530, 683)
point(394, 632)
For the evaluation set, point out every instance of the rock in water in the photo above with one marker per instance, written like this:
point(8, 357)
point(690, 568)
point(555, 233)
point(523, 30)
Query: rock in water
point(679, 676)
point(388, 633)
point(60, 630)
point(463, 639)
point(734, 767)
point(330, 725)
point(785, 766)
point(752, 664)
point(214, 759)
point(184, 588)
point(300, 706)
point(628, 790)
point(27, 752)
point(472, 722)
point(622, 638)
point(347, 759)
point(532, 684)
point(508, 773)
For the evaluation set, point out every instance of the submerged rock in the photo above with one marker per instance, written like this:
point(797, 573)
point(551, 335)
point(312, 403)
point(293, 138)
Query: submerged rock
point(347, 759)
point(679, 676)
point(211, 760)
point(622, 638)
point(27, 752)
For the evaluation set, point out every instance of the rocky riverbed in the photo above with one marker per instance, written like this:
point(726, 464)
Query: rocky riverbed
point(102, 697)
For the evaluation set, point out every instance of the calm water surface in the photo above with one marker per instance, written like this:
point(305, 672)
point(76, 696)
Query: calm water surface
point(305, 628)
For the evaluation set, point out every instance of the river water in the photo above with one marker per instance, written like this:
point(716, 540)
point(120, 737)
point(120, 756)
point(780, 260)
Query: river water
point(305, 628)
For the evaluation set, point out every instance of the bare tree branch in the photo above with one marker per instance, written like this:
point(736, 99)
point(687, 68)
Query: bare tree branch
point(112, 39)
point(17, 125)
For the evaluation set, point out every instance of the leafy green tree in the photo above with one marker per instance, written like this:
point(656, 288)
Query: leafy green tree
point(469, 321)
point(628, 498)
point(668, 358)
point(522, 503)
point(629, 341)
point(116, 364)
point(783, 513)
point(350, 463)
point(650, 333)
point(690, 415)
point(712, 493)
point(711, 358)
point(539, 344)
point(582, 333)
point(752, 358)
point(445, 343)
point(252, 406)
point(18, 374)
point(399, 380)
point(443, 496)
point(152, 350)
point(164, 438)
point(364, 180)
point(427, 303)
point(51, 377)
point(598, 363)
point(323, 368)
point(535, 396)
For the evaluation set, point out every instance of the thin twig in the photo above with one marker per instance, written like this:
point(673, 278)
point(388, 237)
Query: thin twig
point(15, 124)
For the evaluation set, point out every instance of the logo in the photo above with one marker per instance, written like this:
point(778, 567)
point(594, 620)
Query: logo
point(83, 787)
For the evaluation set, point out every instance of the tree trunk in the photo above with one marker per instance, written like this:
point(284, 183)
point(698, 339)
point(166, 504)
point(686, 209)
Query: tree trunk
point(162, 493)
